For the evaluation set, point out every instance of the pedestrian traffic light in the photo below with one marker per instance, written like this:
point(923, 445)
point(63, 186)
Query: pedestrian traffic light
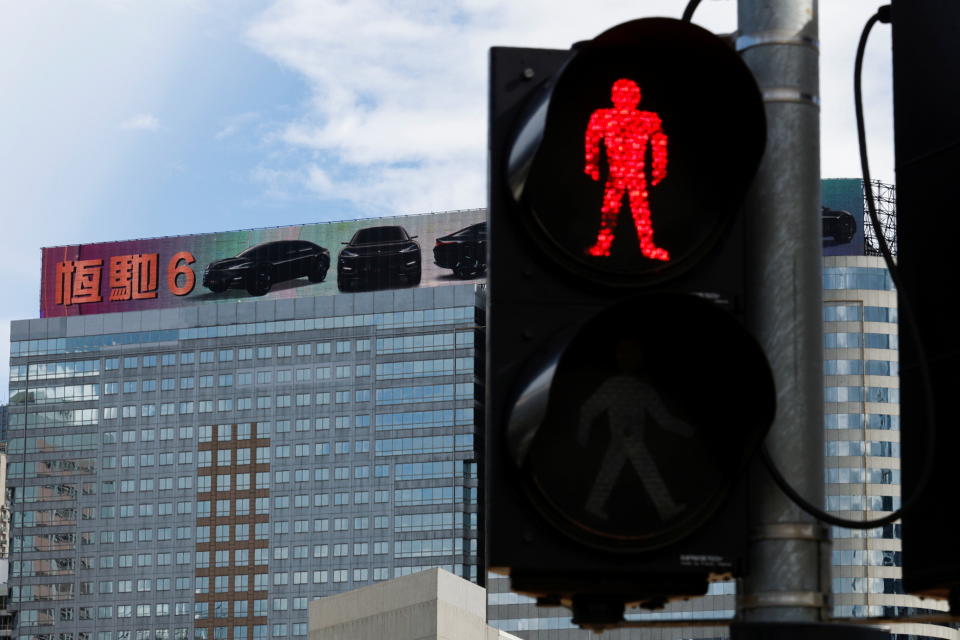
point(623, 395)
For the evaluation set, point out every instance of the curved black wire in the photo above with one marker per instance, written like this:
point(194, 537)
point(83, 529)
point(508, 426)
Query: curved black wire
point(882, 15)
point(688, 11)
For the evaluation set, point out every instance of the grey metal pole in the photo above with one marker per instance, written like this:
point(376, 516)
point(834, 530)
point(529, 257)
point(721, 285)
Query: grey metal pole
point(788, 559)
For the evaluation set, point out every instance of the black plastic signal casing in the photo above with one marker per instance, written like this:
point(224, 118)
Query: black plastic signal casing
point(539, 297)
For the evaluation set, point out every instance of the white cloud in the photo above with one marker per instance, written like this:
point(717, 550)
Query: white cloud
point(398, 90)
point(234, 124)
point(141, 122)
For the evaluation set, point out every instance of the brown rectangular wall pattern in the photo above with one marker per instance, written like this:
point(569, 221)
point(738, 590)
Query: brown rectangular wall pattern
point(222, 616)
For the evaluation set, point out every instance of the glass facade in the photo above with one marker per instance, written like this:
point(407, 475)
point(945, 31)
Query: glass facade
point(206, 474)
point(862, 444)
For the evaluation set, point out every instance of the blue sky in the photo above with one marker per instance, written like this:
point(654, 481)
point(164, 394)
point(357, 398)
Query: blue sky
point(125, 119)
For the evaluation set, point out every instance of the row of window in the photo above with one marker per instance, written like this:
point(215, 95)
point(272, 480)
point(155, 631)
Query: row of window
point(59, 418)
point(260, 531)
point(242, 353)
point(858, 313)
point(884, 449)
point(62, 516)
point(859, 475)
point(863, 503)
point(54, 370)
point(867, 585)
point(861, 394)
point(871, 557)
point(860, 367)
point(872, 278)
point(256, 632)
point(857, 340)
point(241, 481)
point(888, 531)
point(52, 468)
point(390, 320)
point(383, 421)
point(879, 421)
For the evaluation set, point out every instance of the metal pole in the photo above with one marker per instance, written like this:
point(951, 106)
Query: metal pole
point(788, 572)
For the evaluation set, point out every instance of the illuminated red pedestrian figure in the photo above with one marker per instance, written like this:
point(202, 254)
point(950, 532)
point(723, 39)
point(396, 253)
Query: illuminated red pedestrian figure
point(626, 133)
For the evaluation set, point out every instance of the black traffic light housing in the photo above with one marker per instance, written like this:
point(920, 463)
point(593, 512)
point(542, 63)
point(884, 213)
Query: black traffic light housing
point(927, 152)
point(581, 507)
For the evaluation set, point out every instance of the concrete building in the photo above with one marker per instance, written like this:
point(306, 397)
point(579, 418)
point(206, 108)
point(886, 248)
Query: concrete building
point(205, 470)
point(430, 605)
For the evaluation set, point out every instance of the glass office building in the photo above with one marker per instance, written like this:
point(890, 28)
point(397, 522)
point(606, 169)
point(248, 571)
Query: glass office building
point(862, 440)
point(205, 471)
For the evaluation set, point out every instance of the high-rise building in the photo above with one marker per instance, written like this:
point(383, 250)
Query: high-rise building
point(190, 459)
point(862, 416)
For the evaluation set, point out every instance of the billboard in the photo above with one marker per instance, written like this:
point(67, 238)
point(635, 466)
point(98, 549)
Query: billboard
point(280, 262)
point(842, 201)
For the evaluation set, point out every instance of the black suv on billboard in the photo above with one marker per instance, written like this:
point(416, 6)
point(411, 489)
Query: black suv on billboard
point(259, 267)
point(381, 256)
point(464, 251)
point(839, 225)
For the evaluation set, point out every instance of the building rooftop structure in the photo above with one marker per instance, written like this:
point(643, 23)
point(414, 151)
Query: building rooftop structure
point(430, 605)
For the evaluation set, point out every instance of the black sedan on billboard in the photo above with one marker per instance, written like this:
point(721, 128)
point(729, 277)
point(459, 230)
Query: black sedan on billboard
point(381, 257)
point(259, 267)
point(839, 225)
point(464, 251)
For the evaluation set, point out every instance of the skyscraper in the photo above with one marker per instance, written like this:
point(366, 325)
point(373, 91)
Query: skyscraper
point(203, 467)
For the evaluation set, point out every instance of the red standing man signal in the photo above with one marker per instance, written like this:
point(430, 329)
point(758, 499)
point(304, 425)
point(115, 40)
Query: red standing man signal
point(626, 133)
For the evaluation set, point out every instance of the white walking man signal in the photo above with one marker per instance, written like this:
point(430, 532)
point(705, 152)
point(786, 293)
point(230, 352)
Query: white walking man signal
point(629, 402)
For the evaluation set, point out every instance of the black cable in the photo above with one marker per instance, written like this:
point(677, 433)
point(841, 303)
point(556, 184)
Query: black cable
point(882, 15)
point(688, 11)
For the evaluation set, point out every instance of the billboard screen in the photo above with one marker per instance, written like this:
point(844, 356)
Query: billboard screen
point(280, 262)
point(842, 201)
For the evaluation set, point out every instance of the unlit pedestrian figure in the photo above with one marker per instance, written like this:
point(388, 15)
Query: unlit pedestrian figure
point(628, 402)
